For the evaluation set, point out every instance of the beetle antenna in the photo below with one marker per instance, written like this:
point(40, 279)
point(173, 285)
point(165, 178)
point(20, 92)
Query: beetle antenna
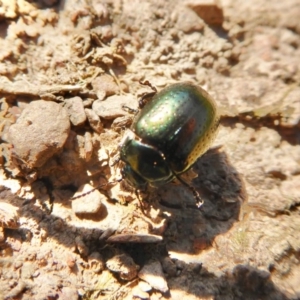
point(148, 84)
point(96, 188)
point(146, 96)
point(199, 200)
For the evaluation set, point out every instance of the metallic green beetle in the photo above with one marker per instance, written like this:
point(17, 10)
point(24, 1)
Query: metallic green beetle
point(168, 135)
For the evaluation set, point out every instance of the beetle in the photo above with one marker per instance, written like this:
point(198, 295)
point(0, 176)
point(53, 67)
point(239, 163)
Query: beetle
point(168, 134)
point(172, 129)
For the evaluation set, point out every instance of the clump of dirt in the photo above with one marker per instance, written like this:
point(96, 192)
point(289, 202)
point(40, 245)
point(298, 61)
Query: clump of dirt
point(70, 228)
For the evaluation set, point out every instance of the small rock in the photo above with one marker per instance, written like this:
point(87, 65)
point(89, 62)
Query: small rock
point(94, 120)
point(81, 247)
point(71, 141)
point(68, 292)
point(105, 234)
point(75, 110)
point(134, 238)
point(58, 225)
point(88, 102)
point(96, 262)
point(105, 85)
point(169, 267)
point(153, 274)
point(88, 146)
point(144, 286)
point(136, 292)
point(188, 21)
point(123, 265)
point(40, 132)
point(101, 95)
point(111, 108)
point(196, 267)
point(90, 203)
point(70, 261)
point(210, 11)
point(121, 122)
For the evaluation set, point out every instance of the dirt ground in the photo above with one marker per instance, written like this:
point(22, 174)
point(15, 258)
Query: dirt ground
point(66, 69)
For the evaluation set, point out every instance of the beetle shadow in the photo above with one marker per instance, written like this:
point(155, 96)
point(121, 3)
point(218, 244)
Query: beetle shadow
point(191, 230)
point(241, 282)
point(194, 280)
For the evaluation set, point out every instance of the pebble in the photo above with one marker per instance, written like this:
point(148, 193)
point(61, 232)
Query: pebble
point(169, 267)
point(121, 122)
point(208, 10)
point(96, 262)
point(153, 274)
point(87, 204)
point(88, 145)
point(188, 21)
point(136, 292)
point(94, 120)
point(105, 85)
point(70, 261)
point(112, 108)
point(75, 110)
point(134, 238)
point(124, 265)
point(81, 247)
point(40, 132)
point(144, 286)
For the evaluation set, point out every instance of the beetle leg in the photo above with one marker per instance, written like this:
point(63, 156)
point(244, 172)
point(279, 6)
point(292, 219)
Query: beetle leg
point(199, 201)
point(136, 191)
point(145, 99)
point(146, 96)
point(115, 160)
point(130, 110)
